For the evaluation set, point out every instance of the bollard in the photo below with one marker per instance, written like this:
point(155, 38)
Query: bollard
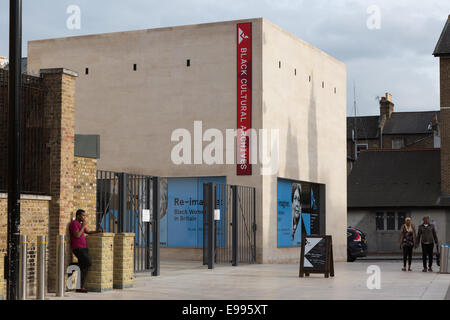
point(23, 268)
point(60, 243)
point(42, 248)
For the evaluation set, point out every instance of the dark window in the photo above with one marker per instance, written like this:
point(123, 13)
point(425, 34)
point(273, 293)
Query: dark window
point(323, 84)
point(86, 71)
point(400, 219)
point(362, 146)
point(188, 62)
point(390, 220)
point(295, 71)
point(379, 221)
point(279, 64)
point(135, 67)
point(309, 78)
point(334, 90)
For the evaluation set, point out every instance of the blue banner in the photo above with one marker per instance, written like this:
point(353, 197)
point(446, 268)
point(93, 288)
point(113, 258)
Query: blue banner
point(295, 203)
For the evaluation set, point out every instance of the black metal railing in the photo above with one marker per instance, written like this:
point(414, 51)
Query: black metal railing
point(121, 201)
point(33, 139)
point(234, 233)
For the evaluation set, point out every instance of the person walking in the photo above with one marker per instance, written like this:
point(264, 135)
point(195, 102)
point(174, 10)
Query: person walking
point(426, 236)
point(79, 247)
point(407, 242)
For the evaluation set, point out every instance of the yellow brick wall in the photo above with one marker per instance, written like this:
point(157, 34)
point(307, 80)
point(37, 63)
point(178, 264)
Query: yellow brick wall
point(123, 260)
point(85, 188)
point(85, 191)
point(34, 215)
point(100, 274)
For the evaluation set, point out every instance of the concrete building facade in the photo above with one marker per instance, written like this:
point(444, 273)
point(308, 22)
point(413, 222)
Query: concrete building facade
point(135, 88)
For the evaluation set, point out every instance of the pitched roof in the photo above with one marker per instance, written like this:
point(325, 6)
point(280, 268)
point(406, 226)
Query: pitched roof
point(366, 127)
point(443, 44)
point(399, 123)
point(410, 122)
point(403, 178)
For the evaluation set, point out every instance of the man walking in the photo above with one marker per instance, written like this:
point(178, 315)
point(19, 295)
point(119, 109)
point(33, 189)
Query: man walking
point(426, 235)
point(79, 247)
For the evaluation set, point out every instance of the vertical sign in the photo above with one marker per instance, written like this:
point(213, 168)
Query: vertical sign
point(244, 97)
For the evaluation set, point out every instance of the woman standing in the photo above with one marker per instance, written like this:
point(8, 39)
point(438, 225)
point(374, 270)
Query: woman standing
point(407, 241)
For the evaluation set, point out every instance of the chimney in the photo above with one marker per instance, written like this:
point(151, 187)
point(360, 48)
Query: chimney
point(442, 51)
point(3, 62)
point(386, 106)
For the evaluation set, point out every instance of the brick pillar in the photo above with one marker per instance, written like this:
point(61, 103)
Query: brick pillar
point(59, 106)
point(445, 123)
point(100, 274)
point(123, 260)
point(2, 280)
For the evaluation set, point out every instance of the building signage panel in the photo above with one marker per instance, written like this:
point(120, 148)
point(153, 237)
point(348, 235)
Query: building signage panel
point(244, 97)
point(298, 211)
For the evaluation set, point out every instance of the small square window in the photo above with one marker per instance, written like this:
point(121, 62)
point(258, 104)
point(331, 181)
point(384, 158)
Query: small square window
point(188, 62)
point(86, 71)
point(398, 143)
point(135, 67)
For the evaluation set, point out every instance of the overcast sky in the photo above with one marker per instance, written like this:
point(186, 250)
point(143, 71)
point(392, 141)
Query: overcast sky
point(396, 57)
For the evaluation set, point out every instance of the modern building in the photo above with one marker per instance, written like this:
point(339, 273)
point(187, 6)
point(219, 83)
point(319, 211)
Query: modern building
point(405, 173)
point(137, 88)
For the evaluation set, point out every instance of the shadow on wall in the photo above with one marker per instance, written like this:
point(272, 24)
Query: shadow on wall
point(312, 138)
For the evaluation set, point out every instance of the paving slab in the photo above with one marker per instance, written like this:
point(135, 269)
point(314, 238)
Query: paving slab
point(180, 280)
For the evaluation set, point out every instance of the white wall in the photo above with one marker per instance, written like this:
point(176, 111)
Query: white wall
point(387, 241)
point(312, 124)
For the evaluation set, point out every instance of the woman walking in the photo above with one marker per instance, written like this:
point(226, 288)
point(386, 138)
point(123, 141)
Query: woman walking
point(407, 242)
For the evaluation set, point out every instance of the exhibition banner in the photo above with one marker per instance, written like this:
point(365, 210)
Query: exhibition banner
point(298, 211)
point(244, 97)
point(182, 226)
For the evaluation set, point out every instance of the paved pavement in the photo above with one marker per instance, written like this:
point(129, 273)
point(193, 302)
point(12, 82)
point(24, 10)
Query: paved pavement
point(190, 280)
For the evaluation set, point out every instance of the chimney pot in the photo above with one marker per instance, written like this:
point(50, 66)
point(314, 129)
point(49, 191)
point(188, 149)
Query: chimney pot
point(388, 97)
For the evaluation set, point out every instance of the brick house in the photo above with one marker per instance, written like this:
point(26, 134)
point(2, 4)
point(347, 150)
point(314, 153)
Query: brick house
point(391, 130)
point(405, 171)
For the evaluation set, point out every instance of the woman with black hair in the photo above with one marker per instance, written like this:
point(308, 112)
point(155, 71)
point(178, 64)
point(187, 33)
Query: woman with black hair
point(296, 206)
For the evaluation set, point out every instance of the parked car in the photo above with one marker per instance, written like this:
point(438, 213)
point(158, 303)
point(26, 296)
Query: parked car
point(356, 244)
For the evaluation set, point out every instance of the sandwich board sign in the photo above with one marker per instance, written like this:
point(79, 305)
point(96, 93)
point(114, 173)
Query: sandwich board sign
point(316, 255)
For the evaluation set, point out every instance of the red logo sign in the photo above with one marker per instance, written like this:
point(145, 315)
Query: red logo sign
point(244, 97)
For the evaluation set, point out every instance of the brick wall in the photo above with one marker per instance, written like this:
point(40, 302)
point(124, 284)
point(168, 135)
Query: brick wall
point(34, 217)
point(100, 274)
point(445, 123)
point(85, 188)
point(59, 103)
point(123, 260)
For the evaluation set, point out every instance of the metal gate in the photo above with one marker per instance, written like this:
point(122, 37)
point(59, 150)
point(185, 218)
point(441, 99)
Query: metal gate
point(121, 201)
point(232, 237)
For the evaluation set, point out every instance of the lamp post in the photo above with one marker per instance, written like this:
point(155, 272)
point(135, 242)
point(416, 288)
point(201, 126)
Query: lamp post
point(14, 174)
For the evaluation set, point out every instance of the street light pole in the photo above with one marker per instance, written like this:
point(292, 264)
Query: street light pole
point(14, 174)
